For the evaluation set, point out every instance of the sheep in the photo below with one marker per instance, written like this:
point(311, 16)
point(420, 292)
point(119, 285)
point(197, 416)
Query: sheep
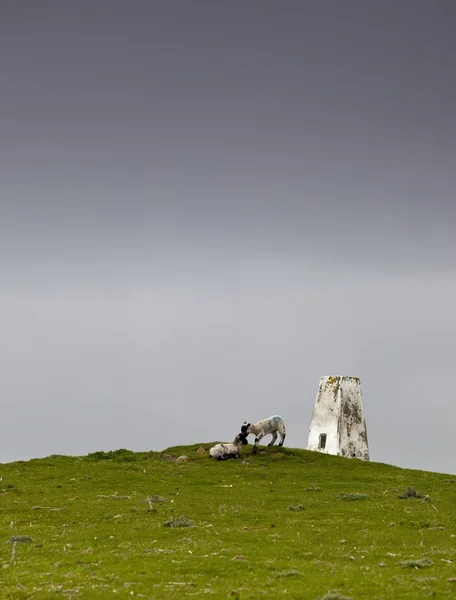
point(233, 450)
point(274, 425)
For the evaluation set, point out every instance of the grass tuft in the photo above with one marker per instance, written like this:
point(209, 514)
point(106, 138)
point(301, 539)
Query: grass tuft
point(20, 539)
point(179, 522)
point(120, 455)
point(411, 492)
point(154, 498)
point(417, 563)
point(289, 573)
point(353, 496)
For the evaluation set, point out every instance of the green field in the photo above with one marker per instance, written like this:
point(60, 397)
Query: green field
point(285, 523)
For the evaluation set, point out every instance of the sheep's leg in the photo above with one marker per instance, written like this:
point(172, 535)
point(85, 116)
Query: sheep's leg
point(257, 441)
point(274, 437)
point(282, 439)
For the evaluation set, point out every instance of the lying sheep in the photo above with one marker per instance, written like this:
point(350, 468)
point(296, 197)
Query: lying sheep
point(233, 450)
point(273, 425)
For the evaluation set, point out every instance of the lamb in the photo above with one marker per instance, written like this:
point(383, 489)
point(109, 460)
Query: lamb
point(233, 450)
point(274, 425)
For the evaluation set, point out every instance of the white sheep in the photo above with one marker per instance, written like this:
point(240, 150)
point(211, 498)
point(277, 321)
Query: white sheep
point(274, 425)
point(224, 451)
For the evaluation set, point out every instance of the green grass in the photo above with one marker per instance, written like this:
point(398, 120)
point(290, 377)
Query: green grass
point(286, 523)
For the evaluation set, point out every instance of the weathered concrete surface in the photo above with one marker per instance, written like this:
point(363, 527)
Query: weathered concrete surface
point(338, 425)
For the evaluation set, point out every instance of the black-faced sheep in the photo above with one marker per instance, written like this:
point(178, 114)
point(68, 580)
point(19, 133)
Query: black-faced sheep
point(233, 450)
point(274, 425)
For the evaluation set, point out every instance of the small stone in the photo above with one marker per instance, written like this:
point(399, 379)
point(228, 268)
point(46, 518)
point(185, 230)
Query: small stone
point(182, 459)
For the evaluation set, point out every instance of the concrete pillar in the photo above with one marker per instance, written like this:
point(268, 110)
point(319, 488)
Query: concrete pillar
point(338, 425)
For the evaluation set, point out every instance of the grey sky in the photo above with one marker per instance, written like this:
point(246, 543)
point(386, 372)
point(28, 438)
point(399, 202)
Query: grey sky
point(208, 205)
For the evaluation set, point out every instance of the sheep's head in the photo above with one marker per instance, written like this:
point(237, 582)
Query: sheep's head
point(241, 438)
point(244, 428)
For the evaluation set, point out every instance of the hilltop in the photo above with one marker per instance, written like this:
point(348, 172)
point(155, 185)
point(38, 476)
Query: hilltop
point(285, 522)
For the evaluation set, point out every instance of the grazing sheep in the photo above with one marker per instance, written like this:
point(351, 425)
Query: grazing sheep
point(233, 450)
point(273, 425)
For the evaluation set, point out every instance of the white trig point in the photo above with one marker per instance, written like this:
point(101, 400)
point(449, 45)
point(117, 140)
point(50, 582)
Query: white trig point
point(338, 425)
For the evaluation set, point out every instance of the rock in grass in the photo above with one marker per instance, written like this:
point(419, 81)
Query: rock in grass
point(297, 507)
point(20, 538)
point(182, 459)
point(179, 522)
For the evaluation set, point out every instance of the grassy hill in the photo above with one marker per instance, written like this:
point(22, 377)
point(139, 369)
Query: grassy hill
point(286, 523)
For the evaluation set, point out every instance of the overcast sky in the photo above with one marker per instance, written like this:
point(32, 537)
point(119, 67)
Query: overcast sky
point(207, 205)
